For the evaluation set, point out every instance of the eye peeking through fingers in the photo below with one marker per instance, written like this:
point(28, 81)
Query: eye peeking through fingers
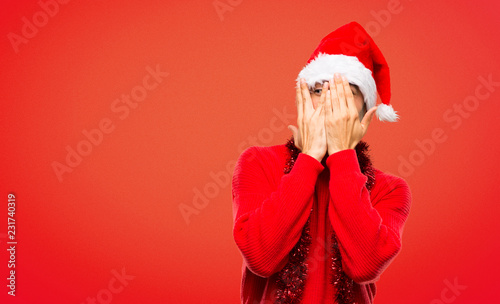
point(318, 89)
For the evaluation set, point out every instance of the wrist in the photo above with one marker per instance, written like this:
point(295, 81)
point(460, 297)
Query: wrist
point(316, 156)
point(333, 151)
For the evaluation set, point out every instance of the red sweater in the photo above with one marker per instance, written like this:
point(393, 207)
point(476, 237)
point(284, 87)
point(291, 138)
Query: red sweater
point(270, 209)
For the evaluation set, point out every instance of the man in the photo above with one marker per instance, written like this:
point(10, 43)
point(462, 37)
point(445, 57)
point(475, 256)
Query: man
point(314, 221)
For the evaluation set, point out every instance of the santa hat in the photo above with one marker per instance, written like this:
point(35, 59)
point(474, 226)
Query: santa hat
point(351, 52)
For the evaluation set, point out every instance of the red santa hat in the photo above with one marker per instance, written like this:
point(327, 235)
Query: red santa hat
point(351, 52)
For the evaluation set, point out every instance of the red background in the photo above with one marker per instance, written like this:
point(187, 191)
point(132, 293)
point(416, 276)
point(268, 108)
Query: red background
point(120, 207)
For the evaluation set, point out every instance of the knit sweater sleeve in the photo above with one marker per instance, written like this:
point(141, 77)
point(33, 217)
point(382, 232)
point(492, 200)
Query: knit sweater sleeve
point(369, 233)
point(268, 220)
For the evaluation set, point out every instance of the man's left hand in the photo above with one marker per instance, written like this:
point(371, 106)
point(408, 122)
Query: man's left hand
point(344, 130)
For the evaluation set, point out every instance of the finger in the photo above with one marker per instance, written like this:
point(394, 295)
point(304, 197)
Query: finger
point(368, 118)
point(334, 97)
point(322, 100)
point(339, 86)
point(351, 107)
point(300, 105)
point(297, 93)
point(306, 97)
point(318, 111)
point(323, 92)
point(328, 103)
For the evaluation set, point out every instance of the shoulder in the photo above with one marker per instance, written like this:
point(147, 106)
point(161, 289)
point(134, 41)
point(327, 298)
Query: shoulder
point(260, 166)
point(386, 179)
point(391, 188)
point(265, 157)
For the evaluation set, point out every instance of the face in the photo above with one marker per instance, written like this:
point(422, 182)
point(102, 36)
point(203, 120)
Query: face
point(358, 98)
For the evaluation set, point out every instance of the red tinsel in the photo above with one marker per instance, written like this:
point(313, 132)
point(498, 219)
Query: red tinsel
point(291, 279)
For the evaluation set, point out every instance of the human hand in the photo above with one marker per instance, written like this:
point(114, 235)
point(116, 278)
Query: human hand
point(310, 137)
point(343, 127)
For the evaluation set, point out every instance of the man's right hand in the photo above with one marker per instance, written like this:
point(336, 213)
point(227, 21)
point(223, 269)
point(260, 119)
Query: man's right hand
point(310, 137)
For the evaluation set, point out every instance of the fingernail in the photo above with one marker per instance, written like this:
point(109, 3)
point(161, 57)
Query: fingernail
point(344, 79)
